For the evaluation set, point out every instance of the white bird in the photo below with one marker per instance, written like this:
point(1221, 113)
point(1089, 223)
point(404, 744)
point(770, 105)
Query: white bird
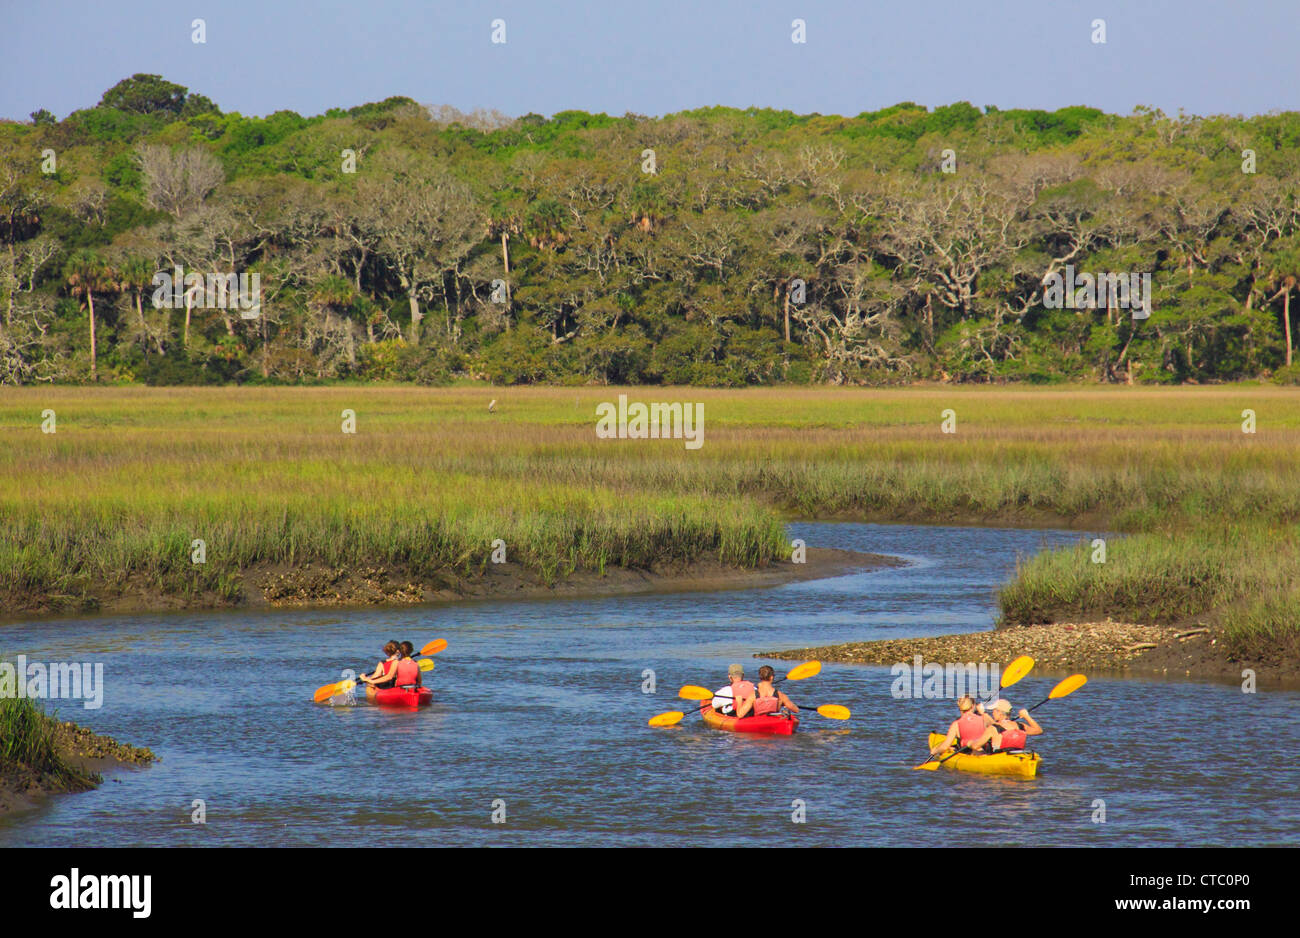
point(492, 407)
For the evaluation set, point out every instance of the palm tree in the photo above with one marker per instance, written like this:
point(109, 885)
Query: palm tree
point(86, 274)
point(502, 226)
point(135, 275)
point(1285, 275)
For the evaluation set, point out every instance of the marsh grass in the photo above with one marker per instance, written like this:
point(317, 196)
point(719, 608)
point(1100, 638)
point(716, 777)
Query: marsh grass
point(431, 478)
point(27, 745)
point(1241, 577)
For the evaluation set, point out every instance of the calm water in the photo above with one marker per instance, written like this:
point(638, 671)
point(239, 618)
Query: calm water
point(539, 705)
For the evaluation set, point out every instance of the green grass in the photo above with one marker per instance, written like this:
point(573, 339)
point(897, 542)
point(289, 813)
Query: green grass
point(27, 742)
point(431, 478)
point(1240, 577)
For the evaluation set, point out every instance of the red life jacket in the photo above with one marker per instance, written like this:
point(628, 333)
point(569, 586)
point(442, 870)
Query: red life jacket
point(970, 727)
point(765, 705)
point(408, 672)
point(741, 690)
point(1013, 739)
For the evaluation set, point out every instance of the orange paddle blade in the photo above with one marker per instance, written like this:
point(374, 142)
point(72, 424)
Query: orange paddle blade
point(807, 669)
point(1068, 686)
point(671, 718)
point(692, 692)
point(326, 692)
point(435, 646)
point(329, 690)
point(1016, 670)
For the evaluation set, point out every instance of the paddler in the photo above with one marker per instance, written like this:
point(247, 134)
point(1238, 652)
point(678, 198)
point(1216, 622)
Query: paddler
point(408, 653)
point(966, 729)
point(729, 699)
point(767, 699)
point(1005, 733)
point(384, 670)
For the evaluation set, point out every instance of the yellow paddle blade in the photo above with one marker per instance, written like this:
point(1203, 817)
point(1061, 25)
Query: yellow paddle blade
point(325, 693)
point(329, 690)
point(692, 692)
point(435, 646)
point(671, 718)
point(426, 664)
point(807, 669)
point(1068, 686)
point(928, 766)
point(834, 711)
point(1016, 670)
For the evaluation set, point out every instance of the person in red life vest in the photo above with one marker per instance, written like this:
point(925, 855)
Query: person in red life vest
point(408, 653)
point(767, 699)
point(407, 671)
point(1005, 733)
point(384, 671)
point(730, 699)
point(966, 729)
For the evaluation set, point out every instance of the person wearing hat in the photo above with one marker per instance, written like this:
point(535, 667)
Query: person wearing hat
point(728, 699)
point(1005, 733)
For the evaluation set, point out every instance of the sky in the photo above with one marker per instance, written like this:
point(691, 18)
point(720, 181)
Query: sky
point(656, 57)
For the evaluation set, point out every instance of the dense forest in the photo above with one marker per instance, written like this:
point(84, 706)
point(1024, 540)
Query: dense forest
point(724, 247)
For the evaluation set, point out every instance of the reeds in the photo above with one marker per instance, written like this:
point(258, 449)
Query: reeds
point(27, 743)
point(133, 476)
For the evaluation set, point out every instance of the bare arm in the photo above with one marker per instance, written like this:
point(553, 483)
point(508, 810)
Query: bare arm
point(1031, 725)
point(990, 735)
point(744, 705)
point(947, 740)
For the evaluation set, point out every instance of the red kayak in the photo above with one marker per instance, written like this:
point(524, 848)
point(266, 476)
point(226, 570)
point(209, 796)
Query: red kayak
point(402, 697)
point(771, 725)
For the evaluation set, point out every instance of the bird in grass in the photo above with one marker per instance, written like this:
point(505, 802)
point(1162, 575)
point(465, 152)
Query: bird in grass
point(492, 407)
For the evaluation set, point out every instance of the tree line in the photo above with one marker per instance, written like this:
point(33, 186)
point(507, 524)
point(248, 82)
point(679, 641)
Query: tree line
point(400, 242)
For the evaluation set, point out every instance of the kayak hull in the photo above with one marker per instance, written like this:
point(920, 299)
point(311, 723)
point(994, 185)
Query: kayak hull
point(400, 697)
point(764, 725)
point(1015, 764)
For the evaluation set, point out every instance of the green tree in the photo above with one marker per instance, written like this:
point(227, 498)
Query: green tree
point(1284, 276)
point(145, 94)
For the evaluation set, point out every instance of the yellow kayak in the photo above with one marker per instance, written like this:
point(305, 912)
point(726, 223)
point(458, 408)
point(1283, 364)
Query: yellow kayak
point(1018, 764)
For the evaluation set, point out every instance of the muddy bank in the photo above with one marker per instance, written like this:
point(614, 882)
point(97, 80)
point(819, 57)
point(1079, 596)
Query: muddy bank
point(308, 585)
point(86, 756)
point(1088, 647)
